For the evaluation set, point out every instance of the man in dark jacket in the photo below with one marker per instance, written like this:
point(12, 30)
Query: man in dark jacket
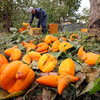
point(41, 15)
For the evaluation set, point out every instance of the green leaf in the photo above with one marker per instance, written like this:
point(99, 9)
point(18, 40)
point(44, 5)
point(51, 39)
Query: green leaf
point(24, 32)
point(68, 35)
point(22, 37)
point(13, 29)
point(5, 94)
point(56, 54)
point(75, 31)
point(21, 47)
point(97, 62)
point(78, 67)
point(14, 37)
point(96, 87)
point(96, 82)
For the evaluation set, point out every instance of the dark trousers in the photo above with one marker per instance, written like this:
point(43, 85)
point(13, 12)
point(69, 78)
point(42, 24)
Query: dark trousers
point(44, 30)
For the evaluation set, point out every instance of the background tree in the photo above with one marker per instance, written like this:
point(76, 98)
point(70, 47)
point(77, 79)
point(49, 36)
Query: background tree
point(15, 12)
point(84, 16)
point(94, 21)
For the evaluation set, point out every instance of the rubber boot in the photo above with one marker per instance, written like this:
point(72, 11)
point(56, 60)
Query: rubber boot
point(44, 30)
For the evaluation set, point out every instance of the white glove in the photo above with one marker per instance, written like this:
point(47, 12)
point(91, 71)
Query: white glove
point(28, 26)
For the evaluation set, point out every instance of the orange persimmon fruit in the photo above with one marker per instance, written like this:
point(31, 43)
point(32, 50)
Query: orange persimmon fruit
point(62, 83)
point(47, 62)
point(3, 60)
point(67, 66)
point(73, 37)
point(55, 46)
point(89, 57)
point(48, 80)
point(64, 45)
point(9, 51)
point(42, 47)
point(30, 56)
point(16, 55)
point(16, 76)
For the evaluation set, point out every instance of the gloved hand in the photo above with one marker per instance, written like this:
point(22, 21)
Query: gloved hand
point(29, 27)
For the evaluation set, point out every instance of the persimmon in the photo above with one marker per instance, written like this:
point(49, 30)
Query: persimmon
point(67, 66)
point(64, 39)
point(47, 62)
point(89, 57)
point(62, 83)
point(42, 47)
point(48, 80)
point(3, 60)
point(8, 76)
point(34, 55)
point(41, 52)
point(14, 53)
point(26, 59)
point(40, 44)
point(17, 80)
point(29, 45)
point(55, 46)
point(53, 38)
point(9, 51)
point(73, 37)
point(64, 45)
point(59, 81)
point(50, 38)
point(22, 29)
point(30, 56)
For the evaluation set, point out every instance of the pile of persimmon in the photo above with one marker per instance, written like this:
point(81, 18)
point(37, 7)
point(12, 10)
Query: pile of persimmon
point(16, 75)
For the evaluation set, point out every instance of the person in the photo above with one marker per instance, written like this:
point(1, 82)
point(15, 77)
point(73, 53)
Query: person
point(41, 15)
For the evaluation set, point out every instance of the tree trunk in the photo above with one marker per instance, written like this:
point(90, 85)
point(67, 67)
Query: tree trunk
point(7, 25)
point(94, 21)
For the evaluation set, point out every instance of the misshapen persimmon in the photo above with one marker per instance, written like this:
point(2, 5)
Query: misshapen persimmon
point(89, 57)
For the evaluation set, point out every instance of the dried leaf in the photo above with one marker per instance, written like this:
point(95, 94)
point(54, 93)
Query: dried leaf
point(49, 94)
point(78, 83)
point(19, 98)
point(86, 68)
point(34, 64)
point(35, 84)
point(50, 73)
point(5, 94)
point(87, 88)
point(93, 75)
point(78, 67)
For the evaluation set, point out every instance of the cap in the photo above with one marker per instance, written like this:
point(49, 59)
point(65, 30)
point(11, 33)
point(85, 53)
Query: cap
point(30, 9)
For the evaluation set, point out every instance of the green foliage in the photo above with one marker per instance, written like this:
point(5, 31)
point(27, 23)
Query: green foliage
point(96, 87)
point(84, 16)
point(18, 12)
point(97, 62)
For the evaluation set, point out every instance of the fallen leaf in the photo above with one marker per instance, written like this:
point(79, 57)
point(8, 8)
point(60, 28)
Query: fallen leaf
point(86, 68)
point(34, 64)
point(78, 67)
point(50, 73)
point(93, 75)
point(87, 88)
point(5, 94)
point(49, 94)
point(78, 83)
